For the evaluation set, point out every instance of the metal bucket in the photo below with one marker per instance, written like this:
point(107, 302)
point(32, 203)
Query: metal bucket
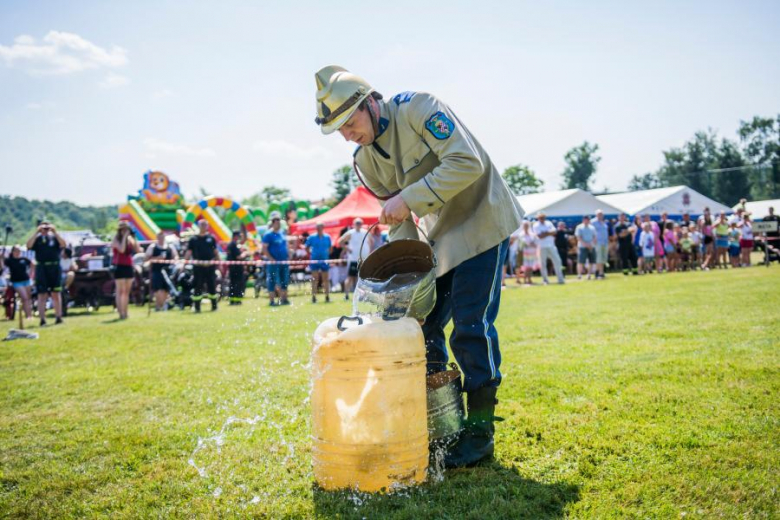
point(405, 256)
point(445, 404)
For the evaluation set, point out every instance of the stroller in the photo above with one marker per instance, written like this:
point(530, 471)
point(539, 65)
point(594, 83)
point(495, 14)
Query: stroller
point(184, 279)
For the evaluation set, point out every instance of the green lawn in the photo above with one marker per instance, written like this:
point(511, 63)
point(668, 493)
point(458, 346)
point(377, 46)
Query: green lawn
point(644, 397)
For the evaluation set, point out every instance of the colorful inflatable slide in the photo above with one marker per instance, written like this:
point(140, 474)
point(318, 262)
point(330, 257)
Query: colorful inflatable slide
point(205, 209)
point(139, 220)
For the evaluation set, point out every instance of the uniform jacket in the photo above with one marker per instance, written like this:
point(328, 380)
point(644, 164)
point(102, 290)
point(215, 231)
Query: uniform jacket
point(443, 174)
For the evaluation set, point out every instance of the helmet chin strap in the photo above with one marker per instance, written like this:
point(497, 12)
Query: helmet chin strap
point(374, 115)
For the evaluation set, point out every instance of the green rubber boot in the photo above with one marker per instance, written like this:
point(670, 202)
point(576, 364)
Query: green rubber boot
point(476, 440)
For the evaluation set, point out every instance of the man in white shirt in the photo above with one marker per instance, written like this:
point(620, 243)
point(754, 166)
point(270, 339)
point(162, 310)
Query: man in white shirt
point(353, 240)
point(545, 230)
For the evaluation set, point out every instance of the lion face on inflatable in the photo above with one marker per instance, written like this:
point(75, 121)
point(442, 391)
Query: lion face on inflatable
point(158, 181)
point(158, 189)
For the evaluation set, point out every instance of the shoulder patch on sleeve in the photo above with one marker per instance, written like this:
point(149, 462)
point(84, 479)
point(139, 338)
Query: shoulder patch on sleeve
point(403, 97)
point(440, 126)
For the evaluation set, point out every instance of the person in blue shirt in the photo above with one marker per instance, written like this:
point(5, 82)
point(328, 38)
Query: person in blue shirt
point(275, 249)
point(319, 247)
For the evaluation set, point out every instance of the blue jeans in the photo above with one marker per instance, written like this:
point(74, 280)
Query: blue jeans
point(469, 294)
point(277, 275)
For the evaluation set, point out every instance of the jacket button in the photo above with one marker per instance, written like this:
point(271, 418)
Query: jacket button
point(430, 204)
point(417, 161)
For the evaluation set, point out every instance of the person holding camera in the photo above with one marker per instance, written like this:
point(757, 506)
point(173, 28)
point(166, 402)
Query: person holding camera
point(19, 268)
point(123, 247)
point(47, 244)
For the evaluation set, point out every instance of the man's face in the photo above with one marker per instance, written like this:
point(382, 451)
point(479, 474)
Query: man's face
point(358, 225)
point(622, 217)
point(203, 226)
point(542, 218)
point(358, 128)
point(276, 224)
point(599, 216)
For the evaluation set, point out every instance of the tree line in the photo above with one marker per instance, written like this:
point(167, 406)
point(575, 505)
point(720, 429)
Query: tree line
point(21, 215)
point(720, 168)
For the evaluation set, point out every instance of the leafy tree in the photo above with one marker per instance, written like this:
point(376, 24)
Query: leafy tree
point(22, 216)
point(274, 193)
point(648, 181)
point(522, 180)
point(760, 139)
point(730, 183)
point(344, 181)
point(581, 164)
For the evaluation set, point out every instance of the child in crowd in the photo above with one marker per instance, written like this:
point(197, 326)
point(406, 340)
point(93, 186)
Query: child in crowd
point(529, 244)
point(697, 239)
point(647, 242)
point(686, 249)
point(734, 250)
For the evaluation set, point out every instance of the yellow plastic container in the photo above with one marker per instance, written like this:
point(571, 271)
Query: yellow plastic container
point(369, 415)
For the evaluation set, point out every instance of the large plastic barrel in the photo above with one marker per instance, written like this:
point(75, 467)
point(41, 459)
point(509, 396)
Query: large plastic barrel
point(369, 416)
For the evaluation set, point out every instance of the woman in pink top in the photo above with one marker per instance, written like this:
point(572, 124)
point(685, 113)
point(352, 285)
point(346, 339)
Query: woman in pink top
point(746, 240)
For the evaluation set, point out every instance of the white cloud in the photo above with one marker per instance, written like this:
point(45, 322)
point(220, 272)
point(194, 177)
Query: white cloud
point(34, 106)
point(162, 94)
point(60, 53)
point(287, 149)
point(158, 146)
point(113, 80)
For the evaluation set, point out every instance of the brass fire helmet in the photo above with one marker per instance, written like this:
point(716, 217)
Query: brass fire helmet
point(401, 257)
point(339, 94)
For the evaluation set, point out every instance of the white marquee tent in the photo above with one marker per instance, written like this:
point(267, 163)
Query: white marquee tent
point(564, 204)
point(674, 200)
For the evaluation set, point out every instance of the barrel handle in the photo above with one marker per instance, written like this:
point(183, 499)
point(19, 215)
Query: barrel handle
point(340, 324)
point(375, 224)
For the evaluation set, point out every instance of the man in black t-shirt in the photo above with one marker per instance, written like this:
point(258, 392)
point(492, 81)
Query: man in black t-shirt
point(236, 272)
point(626, 249)
point(773, 237)
point(203, 247)
point(47, 244)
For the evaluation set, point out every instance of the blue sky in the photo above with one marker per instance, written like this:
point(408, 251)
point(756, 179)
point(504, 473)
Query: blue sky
point(220, 95)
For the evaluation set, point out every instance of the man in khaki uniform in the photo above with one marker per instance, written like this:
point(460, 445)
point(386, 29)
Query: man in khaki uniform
point(417, 157)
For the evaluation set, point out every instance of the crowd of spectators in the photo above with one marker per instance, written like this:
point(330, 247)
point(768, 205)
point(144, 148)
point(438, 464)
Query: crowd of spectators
point(639, 246)
point(590, 249)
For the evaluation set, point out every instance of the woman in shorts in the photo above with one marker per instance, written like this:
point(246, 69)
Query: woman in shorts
point(124, 246)
point(734, 252)
point(721, 232)
point(160, 250)
point(19, 268)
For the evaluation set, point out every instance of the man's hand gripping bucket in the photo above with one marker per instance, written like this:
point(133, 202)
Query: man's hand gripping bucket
point(398, 279)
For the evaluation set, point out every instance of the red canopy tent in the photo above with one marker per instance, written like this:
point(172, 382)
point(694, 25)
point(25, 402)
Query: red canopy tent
point(359, 203)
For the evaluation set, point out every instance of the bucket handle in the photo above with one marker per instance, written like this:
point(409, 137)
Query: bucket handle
point(340, 324)
point(375, 224)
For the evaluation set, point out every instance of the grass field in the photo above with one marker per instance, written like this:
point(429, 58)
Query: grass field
point(643, 397)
